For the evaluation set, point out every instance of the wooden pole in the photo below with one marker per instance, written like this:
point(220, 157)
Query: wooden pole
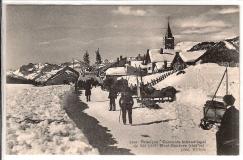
point(219, 84)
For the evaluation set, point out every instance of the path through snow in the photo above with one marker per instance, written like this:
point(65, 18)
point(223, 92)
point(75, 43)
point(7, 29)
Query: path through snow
point(152, 128)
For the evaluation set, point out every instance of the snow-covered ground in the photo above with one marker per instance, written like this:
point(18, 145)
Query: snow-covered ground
point(38, 124)
point(174, 122)
point(201, 82)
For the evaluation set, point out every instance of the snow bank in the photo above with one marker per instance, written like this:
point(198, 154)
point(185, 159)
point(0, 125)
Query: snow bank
point(37, 123)
point(203, 80)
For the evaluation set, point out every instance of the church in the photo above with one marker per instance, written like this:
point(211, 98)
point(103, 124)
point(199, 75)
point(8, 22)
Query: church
point(160, 59)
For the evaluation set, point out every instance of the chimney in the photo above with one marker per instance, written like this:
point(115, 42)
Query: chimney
point(120, 57)
point(161, 50)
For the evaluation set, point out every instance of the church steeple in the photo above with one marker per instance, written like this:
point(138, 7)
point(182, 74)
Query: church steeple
point(169, 39)
point(168, 33)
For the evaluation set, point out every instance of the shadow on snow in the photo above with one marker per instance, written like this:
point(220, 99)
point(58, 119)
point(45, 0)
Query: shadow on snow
point(96, 134)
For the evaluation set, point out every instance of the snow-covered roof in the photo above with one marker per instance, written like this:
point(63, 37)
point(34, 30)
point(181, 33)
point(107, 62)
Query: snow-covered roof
point(45, 76)
point(156, 56)
point(116, 71)
point(185, 46)
point(49, 75)
point(191, 56)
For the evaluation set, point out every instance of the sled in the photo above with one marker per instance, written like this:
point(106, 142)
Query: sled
point(213, 111)
point(149, 97)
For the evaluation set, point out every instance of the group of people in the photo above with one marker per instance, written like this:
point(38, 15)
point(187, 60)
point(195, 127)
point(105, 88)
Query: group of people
point(126, 101)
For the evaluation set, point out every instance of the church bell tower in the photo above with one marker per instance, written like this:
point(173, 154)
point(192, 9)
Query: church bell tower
point(169, 39)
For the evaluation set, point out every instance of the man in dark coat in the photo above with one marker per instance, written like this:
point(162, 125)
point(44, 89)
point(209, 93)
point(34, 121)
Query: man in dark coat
point(87, 88)
point(126, 102)
point(112, 96)
point(228, 134)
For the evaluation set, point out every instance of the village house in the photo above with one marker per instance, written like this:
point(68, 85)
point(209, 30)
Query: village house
point(183, 59)
point(160, 59)
point(65, 75)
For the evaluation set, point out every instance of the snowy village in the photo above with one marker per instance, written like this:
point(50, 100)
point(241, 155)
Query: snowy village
point(167, 100)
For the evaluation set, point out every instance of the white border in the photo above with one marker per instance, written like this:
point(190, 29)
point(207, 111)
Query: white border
point(111, 2)
point(124, 2)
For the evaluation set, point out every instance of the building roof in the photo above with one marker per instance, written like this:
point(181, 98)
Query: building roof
point(116, 71)
point(66, 69)
point(156, 56)
point(191, 56)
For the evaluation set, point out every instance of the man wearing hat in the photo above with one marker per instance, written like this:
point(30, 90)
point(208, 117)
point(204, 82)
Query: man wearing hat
point(126, 102)
point(228, 134)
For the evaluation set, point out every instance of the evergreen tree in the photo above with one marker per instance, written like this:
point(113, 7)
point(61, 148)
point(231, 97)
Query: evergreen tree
point(86, 58)
point(98, 57)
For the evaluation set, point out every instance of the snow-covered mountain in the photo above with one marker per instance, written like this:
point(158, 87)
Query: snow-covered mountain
point(35, 73)
point(76, 64)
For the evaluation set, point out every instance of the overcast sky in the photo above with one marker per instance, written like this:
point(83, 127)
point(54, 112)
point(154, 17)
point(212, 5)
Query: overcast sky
point(57, 34)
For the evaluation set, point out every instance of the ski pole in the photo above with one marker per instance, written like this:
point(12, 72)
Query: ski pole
point(120, 116)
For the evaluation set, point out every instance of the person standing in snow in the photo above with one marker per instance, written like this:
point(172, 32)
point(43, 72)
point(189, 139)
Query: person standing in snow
point(126, 102)
point(227, 136)
point(87, 88)
point(112, 96)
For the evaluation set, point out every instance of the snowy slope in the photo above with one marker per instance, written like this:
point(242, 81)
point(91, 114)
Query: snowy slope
point(203, 80)
point(37, 123)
